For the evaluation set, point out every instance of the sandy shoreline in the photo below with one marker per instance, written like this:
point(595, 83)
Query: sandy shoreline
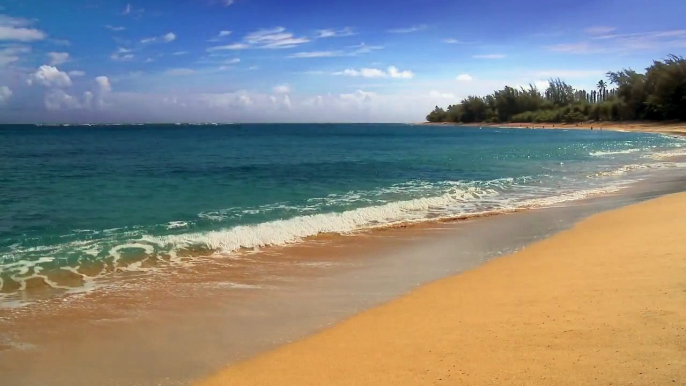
point(599, 304)
point(640, 127)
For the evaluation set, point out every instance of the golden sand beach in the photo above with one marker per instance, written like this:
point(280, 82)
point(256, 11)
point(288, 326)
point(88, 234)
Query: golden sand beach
point(600, 304)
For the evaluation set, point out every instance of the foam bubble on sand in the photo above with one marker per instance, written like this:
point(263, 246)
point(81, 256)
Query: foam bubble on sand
point(281, 232)
point(681, 152)
point(613, 152)
point(176, 224)
point(634, 167)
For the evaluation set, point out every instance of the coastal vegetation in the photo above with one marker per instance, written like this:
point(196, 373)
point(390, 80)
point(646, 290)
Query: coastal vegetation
point(659, 94)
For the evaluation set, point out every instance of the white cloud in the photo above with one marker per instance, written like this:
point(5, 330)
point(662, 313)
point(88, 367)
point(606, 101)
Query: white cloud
point(77, 73)
point(57, 58)
point(273, 38)
point(333, 33)
point(282, 89)
point(363, 48)
point(276, 37)
point(567, 73)
point(224, 33)
point(180, 71)
point(235, 46)
point(228, 64)
point(5, 94)
point(115, 28)
point(103, 84)
point(408, 29)
point(179, 53)
point(464, 77)
point(355, 50)
point(317, 54)
point(122, 54)
point(542, 85)
point(50, 76)
point(490, 56)
point(102, 90)
point(392, 72)
point(395, 73)
point(56, 99)
point(12, 54)
point(166, 38)
point(442, 95)
point(131, 11)
point(625, 43)
point(599, 30)
point(227, 3)
point(16, 29)
point(455, 41)
point(61, 42)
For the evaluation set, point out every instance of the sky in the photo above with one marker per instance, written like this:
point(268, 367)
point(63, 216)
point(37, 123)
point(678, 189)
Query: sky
point(91, 61)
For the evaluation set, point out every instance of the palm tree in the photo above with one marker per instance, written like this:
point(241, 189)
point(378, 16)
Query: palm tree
point(601, 87)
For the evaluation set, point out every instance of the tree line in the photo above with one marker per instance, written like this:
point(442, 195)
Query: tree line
point(658, 94)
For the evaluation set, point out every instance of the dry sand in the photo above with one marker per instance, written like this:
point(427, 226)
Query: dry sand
point(603, 303)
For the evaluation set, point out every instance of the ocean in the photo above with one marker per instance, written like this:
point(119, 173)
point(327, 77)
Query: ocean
point(80, 205)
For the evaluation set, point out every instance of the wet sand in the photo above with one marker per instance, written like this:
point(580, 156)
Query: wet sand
point(633, 126)
point(602, 303)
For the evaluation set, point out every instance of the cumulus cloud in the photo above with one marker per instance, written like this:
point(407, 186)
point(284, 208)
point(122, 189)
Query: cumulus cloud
point(50, 76)
point(407, 30)
point(392, 72)
point(12, 54)
point(273, 38)
point(57, 58)
point(282, 89)
point(76, 74)
point(18, 29)
point(57, 99)
point(5, 94)
point(464, 77)
point(103, 84)
point(102, 89)
point(223, 34)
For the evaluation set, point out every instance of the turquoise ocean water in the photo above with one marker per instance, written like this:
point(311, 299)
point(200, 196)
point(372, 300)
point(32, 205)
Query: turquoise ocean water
point(79, 204)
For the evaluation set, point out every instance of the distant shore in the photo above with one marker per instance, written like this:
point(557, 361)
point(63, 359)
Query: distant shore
point(634, 126)
point(606, 307)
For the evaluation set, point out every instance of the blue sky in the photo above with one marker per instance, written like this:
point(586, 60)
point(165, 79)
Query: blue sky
point(308, 61)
